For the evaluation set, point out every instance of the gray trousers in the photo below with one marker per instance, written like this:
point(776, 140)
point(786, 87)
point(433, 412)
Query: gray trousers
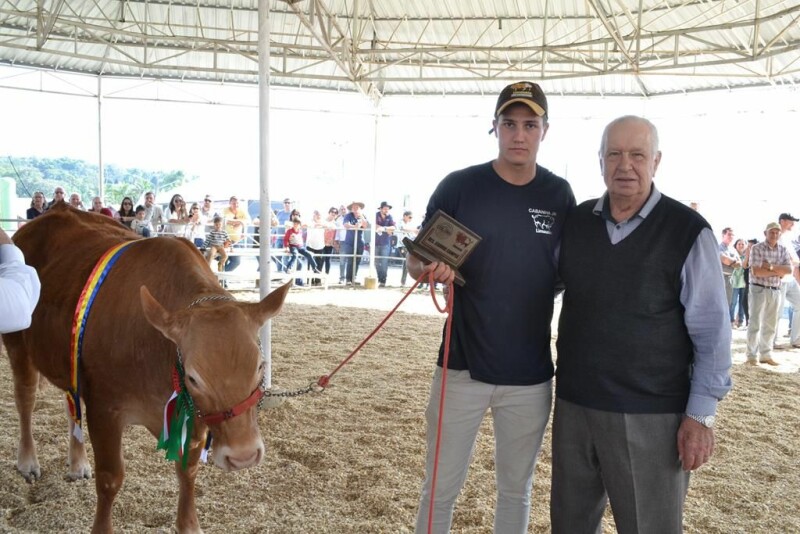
point(764, 309)
point(629, 459)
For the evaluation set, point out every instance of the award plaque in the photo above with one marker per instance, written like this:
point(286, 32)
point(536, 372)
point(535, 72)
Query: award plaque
point(446, 240)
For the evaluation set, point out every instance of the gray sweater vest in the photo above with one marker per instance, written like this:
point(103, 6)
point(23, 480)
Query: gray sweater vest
point(622, 342)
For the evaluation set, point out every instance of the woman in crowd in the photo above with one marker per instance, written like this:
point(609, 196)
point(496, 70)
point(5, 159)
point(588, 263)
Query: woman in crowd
point(330, 238)
point(196, 227)
point(176, 216)
point(739, 320)
point(126, 211)
point(315, 237)
point(37, 206)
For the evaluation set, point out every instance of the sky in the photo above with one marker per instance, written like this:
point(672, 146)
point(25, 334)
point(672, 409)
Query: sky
point(730, 151)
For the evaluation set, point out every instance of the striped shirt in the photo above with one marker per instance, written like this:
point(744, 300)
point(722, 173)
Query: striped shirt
point(761, 253)
point(216, 238)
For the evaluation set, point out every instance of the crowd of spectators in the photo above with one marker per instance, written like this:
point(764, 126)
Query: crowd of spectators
point(342, 235)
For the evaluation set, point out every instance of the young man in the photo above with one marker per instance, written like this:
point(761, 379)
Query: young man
point(644, 347)
point(499, 354)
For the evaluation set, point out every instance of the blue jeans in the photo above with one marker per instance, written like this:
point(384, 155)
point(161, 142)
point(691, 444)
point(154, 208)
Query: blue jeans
point(382, 261)
point(738, 298)
point(351, 268)
point(233, 260)
point(303, 252)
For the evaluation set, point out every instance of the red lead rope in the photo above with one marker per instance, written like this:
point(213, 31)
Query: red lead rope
point(445, 357)
point(325, 379)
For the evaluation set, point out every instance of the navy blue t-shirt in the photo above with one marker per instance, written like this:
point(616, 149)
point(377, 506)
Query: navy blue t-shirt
point(501, 317)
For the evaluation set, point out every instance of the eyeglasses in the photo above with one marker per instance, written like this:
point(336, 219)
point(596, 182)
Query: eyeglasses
point(195, 209)
point(207, 200)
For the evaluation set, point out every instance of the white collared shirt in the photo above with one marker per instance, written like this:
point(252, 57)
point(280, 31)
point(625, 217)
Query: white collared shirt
point(19, 290)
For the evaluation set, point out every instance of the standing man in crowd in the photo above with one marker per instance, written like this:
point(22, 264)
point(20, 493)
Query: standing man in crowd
point(790, 290)
point(353, 246)
point(730, 261)
point(499, 353)
point(153, 212)
point(637, 385)
point(769, 262)
point(236, 222)
point(19, 287)
point(384, 229)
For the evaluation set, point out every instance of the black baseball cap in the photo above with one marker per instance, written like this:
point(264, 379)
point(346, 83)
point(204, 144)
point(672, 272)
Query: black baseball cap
point(528, 93)
point(788, 217)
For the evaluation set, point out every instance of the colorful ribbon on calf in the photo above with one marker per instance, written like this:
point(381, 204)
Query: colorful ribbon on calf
point(85, 302)
point(179, 412)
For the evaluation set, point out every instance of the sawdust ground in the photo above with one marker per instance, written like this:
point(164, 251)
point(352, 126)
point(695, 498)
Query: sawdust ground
point(351, 459)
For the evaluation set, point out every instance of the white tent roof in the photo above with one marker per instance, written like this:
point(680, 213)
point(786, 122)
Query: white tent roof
point(382, 47)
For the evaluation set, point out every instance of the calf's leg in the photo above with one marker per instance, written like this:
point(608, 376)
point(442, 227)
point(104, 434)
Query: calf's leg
point(187, 510)
point(78, 466)
point(105, 431)
point(26, 381)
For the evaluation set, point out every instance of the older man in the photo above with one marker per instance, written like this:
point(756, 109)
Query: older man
point(637, 382)
point(769, 261)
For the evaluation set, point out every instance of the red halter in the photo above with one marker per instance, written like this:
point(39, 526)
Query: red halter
point(230, 413)
point(239, 409)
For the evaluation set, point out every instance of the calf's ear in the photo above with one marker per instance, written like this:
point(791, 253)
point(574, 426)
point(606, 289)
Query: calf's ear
point(269, 307)
point(160, 318)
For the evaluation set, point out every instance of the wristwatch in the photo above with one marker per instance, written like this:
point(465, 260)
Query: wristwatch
point(705, 420)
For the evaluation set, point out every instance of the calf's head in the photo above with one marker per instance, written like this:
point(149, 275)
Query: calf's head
point(217, 340)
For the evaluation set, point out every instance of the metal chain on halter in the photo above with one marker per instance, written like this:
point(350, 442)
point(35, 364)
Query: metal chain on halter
point(209, 297)
point(313, 387)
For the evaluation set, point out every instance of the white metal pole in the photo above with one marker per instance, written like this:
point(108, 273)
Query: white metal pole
point(265, 212)
point(100, 177)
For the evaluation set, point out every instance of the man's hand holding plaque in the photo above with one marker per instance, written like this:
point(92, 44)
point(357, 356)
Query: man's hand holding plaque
point(445, 242)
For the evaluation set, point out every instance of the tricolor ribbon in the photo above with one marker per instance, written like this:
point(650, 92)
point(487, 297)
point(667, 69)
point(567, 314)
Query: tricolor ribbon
point(85, 302)
point(179, 412)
